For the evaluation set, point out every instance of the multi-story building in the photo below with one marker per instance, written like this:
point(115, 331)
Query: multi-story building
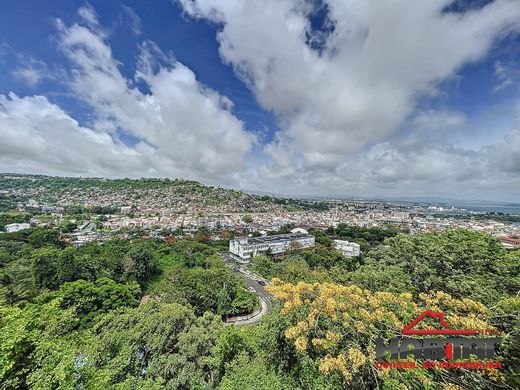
point(244, 248)
point(126, 209)
point(347, 248)
point(16, 227)
point(510, 242)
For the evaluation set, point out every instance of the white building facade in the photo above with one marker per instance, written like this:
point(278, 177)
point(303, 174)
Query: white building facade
point(16, 227)
point(244, 248)
point(349, 249)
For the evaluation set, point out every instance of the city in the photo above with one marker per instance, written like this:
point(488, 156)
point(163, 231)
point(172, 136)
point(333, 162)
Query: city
point(260, 195)
point(191, 206)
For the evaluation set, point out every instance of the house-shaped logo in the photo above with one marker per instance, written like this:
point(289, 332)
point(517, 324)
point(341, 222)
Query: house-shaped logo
point(438, 316)
point(432, 350)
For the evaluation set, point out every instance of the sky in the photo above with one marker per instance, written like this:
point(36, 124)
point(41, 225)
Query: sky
point(329, 98)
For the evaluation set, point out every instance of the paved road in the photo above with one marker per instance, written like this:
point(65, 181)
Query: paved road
point(251, 281)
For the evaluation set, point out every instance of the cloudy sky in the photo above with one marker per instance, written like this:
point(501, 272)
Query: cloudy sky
point(342, 98)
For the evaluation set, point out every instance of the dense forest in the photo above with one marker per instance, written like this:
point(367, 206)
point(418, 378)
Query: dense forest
point(75, 317)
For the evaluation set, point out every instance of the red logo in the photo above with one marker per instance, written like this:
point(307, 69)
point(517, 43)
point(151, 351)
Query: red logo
point(438, 352)
point(436, 316)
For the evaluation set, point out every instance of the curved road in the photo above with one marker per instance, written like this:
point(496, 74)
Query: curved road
point(251, 280)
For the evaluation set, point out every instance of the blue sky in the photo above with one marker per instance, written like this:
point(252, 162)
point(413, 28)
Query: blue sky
point(290, 97)
point(192, 42)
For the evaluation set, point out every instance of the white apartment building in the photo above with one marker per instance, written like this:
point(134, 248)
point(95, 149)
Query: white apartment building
point(126, 209)
point(16, 227)
point(244, 248)
point(349, 249)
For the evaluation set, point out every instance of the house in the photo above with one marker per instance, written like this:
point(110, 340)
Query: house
point(16, 227)
point(510, 242)
point(349, 249)
point(244, 248)
point(126, 209)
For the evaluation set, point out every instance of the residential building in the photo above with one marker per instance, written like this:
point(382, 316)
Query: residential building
point(347, 248)
point(126, 209)
point(16, 227)
point(510, 242)
point(244, 248)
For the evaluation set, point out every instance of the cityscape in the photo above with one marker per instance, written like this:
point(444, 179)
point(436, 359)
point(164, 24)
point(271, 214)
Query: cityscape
point(185, 207)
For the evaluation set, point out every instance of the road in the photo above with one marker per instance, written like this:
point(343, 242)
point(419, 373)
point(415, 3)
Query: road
point(252, 283)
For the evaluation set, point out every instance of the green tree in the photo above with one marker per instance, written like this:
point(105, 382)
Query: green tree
point(43, 237)
point(164, 343)
point(37, 347)
point(13, 217)
point(16, 283)
point(212, 289)
point(321, 237)
point(69, 227)
point(230, 343)
point(140, 264)
point(72, 266)
point(203, 235)
point(286, 228)
point(45, 267)
point(251, 374)
point(91, 299)
point(461, 262)
point(15, 347)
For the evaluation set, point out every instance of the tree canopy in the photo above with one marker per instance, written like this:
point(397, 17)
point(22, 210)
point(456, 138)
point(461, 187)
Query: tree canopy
point(148, 314)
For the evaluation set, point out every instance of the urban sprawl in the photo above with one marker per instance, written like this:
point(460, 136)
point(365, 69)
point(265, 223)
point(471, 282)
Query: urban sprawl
point(100, 209)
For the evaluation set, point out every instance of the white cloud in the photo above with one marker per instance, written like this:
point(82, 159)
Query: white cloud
point(30, 75)
point(132, 18)
point(189, 125)
point(357, 91)
point(4, 49)
point(38, 136)
point(183, 128)
point(407, 168)
point(345, 99)
point(375, 63)
point(89, 15)
point(507, 75)
point(31, 71)
point(438, 120)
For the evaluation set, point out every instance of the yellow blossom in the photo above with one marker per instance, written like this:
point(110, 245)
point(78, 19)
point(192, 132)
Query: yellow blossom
point(332, 336)
point(452, 386)
point(356, 357)
point(301, 343)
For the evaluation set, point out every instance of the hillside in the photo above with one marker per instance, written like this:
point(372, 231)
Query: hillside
point(179, 195)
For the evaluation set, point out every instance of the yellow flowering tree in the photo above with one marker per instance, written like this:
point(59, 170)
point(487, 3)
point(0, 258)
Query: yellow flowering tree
point(336, 326)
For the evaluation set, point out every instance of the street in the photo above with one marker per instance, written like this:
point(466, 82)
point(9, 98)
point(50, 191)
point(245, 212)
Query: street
point(252, 284)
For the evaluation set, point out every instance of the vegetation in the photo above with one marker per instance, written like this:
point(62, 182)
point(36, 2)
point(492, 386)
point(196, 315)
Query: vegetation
point(8, 202)
point(7, 218)
point(76, 192)
point(334, 307)
point(365, 236)
point(460, 262)
point(333, 327)
point(74, 318)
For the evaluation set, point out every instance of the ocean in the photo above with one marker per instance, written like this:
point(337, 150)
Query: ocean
point(505, 208)
point(476, 206)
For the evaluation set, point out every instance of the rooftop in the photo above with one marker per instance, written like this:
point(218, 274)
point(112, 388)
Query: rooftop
point(276, 238)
